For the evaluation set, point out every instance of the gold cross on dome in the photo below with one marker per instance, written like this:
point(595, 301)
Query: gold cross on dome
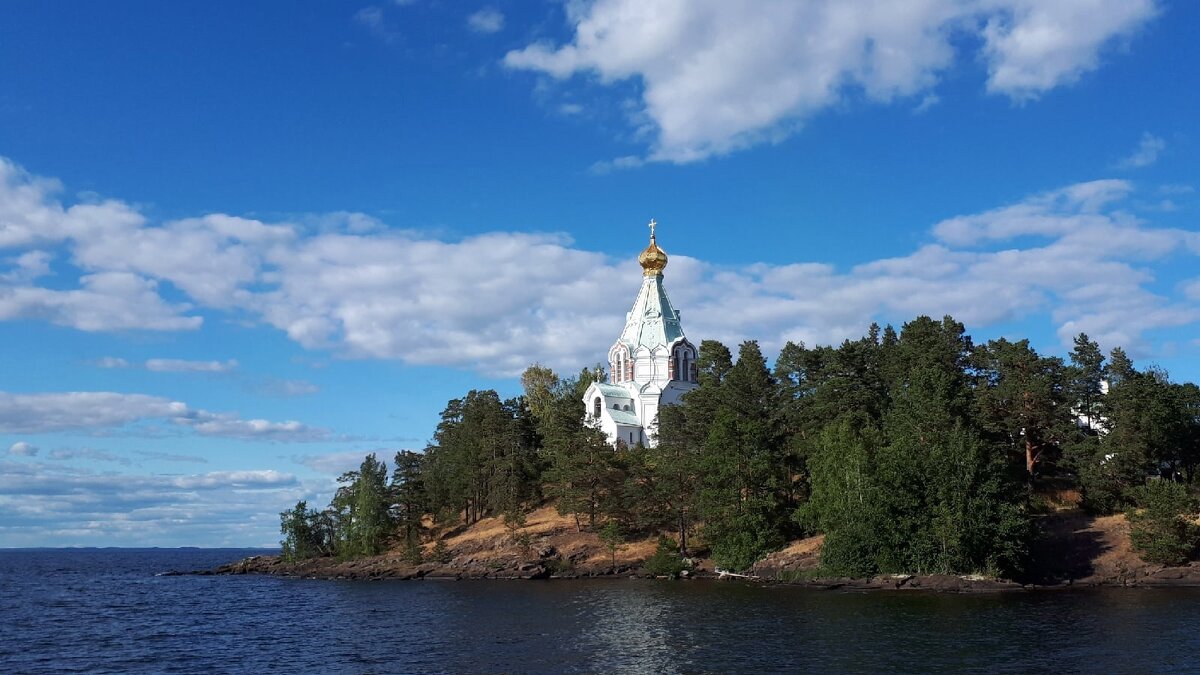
point(653, 224)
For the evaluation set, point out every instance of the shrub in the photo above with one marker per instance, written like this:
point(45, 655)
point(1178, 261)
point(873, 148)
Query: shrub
point(412, 551)
point(440, 553)
point(1158, 527)
point(666, 561)
point(559, 566)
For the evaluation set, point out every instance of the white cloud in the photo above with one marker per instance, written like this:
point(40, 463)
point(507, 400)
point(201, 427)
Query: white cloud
point(234, 479)
point(717, 76)
point(105, 301)
point(38, 413)
point(1049, 215)
point(499, 301)
point(170, 457)
point(95, 410)
point(93, 454)
point(185, 366)
point(928, 101)
point(170, 365)
point(337, 463)
point(372, 18)
point(1146, 153)
point(23, 449)
point(1033, 46)
point(486, 20)
point(231, 426)
point(65, 505)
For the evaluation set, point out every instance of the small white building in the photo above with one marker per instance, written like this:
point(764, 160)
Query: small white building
point(652, 364)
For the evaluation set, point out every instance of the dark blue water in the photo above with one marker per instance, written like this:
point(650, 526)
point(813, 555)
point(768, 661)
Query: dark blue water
point(97, 611)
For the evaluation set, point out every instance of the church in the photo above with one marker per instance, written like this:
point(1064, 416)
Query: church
point(651, 364)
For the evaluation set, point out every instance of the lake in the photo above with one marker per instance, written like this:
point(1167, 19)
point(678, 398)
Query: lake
point(104, 610)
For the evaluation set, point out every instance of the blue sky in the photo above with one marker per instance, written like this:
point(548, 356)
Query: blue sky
point(243, 244)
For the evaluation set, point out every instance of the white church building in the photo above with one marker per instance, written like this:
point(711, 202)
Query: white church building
point(652, 364)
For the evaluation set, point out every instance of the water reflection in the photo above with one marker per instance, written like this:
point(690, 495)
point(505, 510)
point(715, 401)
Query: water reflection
point(106, 612)
point(631, 627)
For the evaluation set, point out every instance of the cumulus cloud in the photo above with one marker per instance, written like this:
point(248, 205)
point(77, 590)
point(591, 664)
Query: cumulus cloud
point(717, 76)
point(23, 449)
point(1147, 152)
point(84, 410)
point(486, 20)
point(231, 426)
point(496, 302)
point(38, 413)
point(65, 505)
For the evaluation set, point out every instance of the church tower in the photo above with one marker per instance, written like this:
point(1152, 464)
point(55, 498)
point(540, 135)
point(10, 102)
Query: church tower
point(651, 364)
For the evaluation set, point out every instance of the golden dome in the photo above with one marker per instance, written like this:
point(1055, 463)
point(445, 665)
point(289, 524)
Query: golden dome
point(653, 259)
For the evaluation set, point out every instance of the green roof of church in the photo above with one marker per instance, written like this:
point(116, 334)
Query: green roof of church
point(613, 390)
point(653, 321)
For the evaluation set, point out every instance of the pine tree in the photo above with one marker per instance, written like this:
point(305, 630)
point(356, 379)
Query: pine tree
point(744, 500)
point(366, 502)
point(1086, 385)
point(410, 500)
point(1022, 401)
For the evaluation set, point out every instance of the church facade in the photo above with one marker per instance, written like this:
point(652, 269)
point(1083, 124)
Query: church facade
point(651, 364)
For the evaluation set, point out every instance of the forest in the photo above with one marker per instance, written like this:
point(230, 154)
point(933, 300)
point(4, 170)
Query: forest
point(915, 451)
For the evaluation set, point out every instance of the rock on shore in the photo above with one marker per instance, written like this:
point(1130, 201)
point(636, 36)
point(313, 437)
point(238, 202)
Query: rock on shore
point(1074, 550)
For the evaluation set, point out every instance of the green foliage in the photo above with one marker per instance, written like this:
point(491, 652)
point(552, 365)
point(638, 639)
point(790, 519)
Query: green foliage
point(1153, 429)
point(662, 482)
point(1022, 402)
point(1085, 383)
point(1161, 526)
point(410, 500)
point(906, 450)
point(613, 539)
point(363, 502)
point(845, 504)
point(745, 497)
point(483, 459)
point(413, 554)
point(666, 561)
point(924, 492)
point(302, 533)
point(584, 475)
point(559, 566)
point(440, 553)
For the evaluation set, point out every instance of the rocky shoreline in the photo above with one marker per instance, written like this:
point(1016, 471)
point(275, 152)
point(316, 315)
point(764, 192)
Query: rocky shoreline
point(382, 568)
point(1074, 551)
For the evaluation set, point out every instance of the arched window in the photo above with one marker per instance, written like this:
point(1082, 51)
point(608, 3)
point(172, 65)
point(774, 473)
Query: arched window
point(596, 405)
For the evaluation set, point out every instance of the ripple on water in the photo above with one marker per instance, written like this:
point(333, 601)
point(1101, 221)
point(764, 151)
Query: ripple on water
point(105, 611)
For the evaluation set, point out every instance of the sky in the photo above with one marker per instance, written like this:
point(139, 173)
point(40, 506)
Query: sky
point(244, 244)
